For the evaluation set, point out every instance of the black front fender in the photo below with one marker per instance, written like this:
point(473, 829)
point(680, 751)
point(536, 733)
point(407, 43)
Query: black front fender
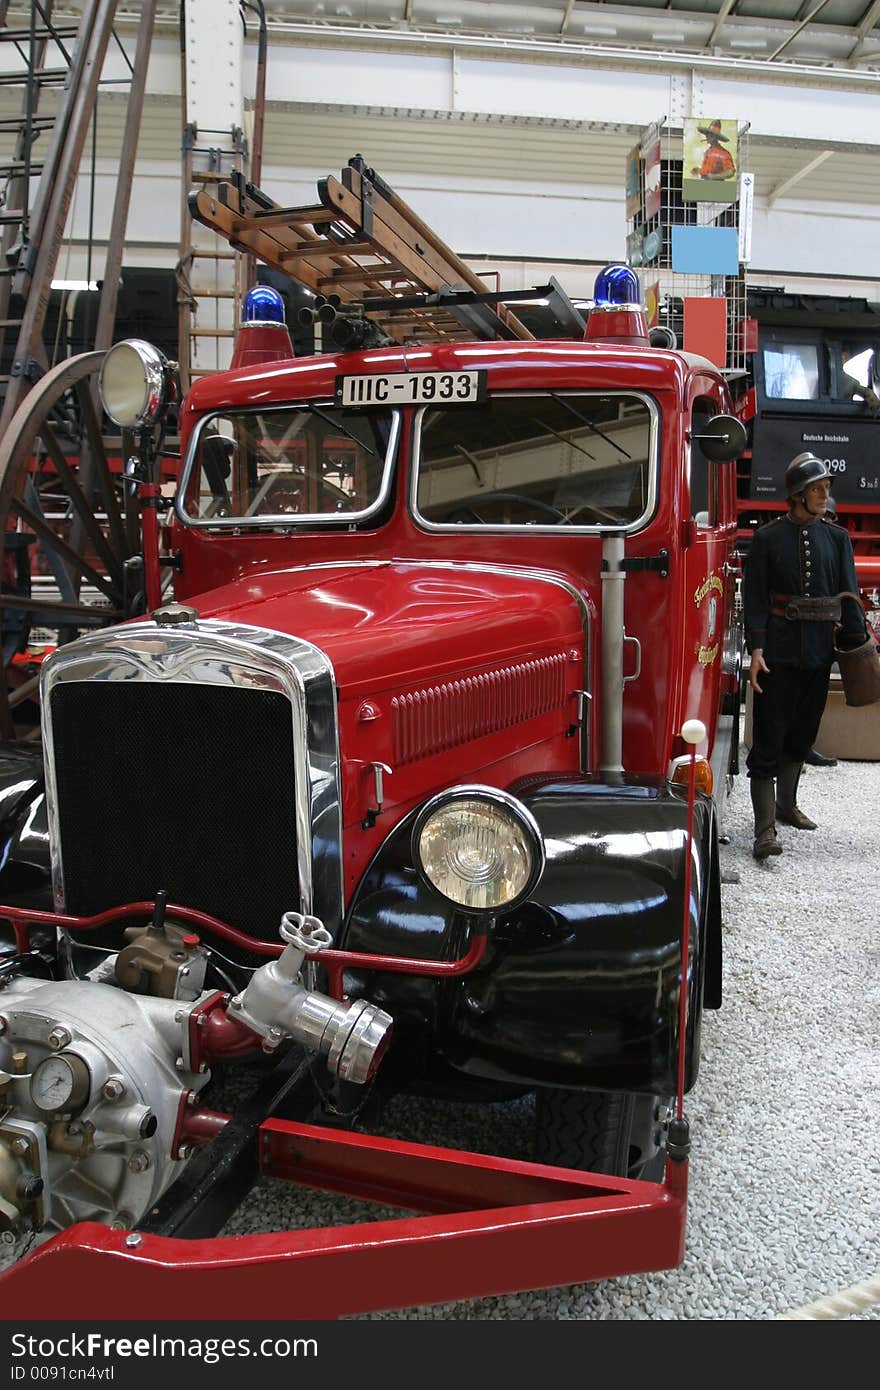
point(580, 985)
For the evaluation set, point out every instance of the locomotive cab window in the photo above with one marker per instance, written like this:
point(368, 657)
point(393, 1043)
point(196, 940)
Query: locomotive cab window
point(859, 370)
point(286, 466)
point(575, 459)
point(792, 371)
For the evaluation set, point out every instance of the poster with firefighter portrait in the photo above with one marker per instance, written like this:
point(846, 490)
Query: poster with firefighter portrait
point(709, 167)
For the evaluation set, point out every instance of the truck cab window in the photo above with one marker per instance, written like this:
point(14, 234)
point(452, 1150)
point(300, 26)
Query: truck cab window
point(703, 503)
point(579, 459)
point(317, 463)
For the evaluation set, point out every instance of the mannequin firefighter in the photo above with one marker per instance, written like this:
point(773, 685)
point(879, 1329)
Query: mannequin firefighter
point(796, 570)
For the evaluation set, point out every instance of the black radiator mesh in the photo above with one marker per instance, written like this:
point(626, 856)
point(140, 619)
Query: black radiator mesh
point(189, 788)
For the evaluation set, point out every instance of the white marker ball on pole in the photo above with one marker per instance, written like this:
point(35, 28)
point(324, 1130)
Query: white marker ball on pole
point(693, 731)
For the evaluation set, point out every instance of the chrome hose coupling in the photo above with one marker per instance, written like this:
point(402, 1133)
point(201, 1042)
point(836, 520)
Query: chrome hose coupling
point(352, 1035)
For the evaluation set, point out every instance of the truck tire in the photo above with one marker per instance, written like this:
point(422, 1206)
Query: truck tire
point(613, 1132)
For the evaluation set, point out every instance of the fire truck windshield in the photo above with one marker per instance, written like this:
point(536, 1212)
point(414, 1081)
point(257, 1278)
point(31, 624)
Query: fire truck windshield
point(578, 459)
point(288, 465)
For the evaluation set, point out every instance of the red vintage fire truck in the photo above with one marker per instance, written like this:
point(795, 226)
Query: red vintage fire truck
point(414, 784)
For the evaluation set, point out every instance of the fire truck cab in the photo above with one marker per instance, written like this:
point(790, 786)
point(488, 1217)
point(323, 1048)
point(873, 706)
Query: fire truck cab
point(441, 612)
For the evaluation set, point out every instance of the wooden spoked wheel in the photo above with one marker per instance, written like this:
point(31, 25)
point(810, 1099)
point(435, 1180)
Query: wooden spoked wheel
point(71, 527)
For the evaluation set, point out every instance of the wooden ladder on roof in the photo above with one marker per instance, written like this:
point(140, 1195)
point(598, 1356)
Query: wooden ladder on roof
point(364, 244)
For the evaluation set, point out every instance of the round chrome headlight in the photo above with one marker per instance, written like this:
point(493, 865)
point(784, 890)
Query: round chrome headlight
point(133, 383)
point(478, 847)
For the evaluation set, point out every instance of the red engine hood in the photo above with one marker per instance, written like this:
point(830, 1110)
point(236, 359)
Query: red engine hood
point(396, 621)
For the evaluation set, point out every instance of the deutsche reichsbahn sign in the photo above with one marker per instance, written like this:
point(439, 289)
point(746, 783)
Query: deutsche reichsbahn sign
point(851, 448)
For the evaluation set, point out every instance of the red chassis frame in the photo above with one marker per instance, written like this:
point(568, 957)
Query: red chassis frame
point(488, 1225)
point(493, 1226)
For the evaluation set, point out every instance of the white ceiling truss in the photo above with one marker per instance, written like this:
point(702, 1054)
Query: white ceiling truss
point(800, 34)
point(837, 38)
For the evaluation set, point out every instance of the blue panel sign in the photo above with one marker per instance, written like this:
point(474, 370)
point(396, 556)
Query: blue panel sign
point(705, 250)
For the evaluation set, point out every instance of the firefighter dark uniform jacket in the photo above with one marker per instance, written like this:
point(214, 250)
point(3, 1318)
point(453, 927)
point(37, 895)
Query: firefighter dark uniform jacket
point(787, 560)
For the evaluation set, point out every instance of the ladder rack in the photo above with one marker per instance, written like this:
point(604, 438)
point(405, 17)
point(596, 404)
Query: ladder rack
point(359, 241)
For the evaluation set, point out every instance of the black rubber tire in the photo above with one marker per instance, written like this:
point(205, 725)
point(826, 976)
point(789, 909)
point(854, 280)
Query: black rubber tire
point(613, 1132)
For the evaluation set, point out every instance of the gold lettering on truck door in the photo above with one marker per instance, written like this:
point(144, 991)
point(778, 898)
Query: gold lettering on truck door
point(711, 585)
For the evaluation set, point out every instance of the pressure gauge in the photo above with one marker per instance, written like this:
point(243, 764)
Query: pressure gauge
point(60, 1084)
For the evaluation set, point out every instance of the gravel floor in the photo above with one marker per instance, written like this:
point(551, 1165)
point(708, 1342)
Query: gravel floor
point(785, 1121)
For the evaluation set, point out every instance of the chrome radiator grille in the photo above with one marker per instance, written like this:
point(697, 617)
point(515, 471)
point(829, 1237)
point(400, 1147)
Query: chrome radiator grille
point(184, 787)
point(201, 758)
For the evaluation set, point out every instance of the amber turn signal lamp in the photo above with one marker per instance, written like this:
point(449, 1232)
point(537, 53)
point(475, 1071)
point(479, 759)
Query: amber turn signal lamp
point(703, 779)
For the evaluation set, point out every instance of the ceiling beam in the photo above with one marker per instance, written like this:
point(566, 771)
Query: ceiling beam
point(866, 55)
point(726, 7)
point(628, 56)
point(794, 179)
point(797, 29)
point(866, 24)
point(569, 6)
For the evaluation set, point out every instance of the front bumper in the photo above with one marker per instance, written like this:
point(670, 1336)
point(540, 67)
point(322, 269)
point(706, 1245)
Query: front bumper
point(483, 1226)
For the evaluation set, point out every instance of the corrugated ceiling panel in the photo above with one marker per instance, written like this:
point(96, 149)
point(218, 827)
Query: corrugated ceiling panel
point(449, 149)
point(536, 155)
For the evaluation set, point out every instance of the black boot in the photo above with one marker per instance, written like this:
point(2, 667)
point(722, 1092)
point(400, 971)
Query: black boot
point(817, 759)
point(787, 809)
point(764, 806)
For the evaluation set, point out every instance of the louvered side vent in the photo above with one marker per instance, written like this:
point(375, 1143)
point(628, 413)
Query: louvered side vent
point(442, 716)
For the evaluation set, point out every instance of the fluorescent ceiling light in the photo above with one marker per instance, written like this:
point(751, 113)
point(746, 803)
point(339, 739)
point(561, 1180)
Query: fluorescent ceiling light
point(669, 36)
point(601, 31)
point(747, 43)
point(74, 284)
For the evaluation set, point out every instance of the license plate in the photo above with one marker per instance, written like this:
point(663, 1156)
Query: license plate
point(411, 388)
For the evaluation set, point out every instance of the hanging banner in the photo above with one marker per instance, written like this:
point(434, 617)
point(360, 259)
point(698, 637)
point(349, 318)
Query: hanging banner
point(746, 207)
point(635, 247)
point(651, 247)
point(651, 153)
point(705, 328)
point(633, 183)
point(652, 304)
point(709, 165)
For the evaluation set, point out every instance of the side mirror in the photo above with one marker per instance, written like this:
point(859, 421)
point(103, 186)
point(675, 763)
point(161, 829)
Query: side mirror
point(722, 438)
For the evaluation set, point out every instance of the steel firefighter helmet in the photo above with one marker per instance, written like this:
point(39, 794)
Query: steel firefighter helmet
point(803, 470)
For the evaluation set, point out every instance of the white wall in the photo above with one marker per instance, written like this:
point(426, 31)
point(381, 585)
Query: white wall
point(512, 212)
